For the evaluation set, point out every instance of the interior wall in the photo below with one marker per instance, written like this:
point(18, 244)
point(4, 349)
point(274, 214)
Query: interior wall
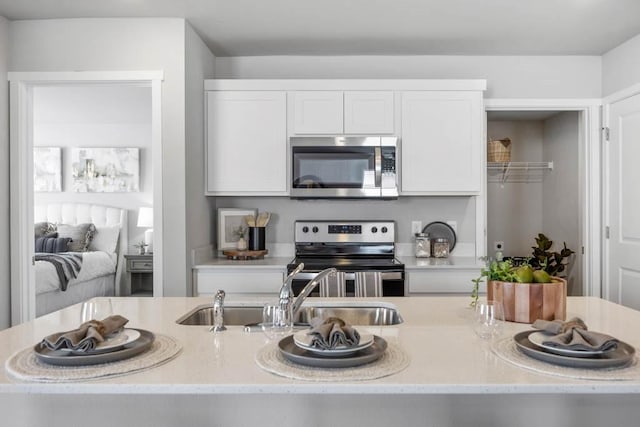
point(100, 116)
point(562, 200)
point(403, 210)
point(5, 259)
point(125, 44)
point(507, 76)
point(200, 63)
point(514, 210)
point(621, 67)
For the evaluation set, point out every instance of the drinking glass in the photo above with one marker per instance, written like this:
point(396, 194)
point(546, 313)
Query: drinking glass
point(276, 321)
point(489, 319)
point(96, 309)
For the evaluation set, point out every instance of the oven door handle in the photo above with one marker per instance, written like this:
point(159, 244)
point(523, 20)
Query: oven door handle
point(385, 275)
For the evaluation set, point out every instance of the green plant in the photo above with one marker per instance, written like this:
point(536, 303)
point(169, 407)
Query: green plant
point(551, 262)
point(495, 270)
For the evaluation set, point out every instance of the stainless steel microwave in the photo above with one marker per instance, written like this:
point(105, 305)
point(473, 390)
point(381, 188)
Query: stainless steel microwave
point(344, 167)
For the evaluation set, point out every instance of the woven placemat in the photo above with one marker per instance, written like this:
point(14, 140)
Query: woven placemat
point(507, 350)
point(25, 366)
point(392, 361)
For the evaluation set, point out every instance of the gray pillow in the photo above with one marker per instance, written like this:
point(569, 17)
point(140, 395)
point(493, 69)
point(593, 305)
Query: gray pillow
point(80, 236)
point(42, 229)
point(52, 244)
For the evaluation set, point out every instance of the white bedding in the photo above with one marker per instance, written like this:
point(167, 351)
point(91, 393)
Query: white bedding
point(94, 264)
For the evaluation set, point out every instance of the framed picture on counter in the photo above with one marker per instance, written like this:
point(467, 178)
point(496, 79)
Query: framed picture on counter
point(230, 222)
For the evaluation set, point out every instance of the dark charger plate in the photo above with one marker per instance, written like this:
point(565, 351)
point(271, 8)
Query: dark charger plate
point(63, 358)
point(621, 356)
point(296, 354)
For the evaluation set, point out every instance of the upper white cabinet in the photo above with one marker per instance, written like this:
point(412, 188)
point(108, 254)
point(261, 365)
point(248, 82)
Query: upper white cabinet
point(368, 112)
point(246, 143)
point(441, 143)
point(317, 112)
point(338, 112)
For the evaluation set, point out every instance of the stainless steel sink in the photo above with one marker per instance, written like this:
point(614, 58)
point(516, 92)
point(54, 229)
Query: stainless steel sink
point(365, 314)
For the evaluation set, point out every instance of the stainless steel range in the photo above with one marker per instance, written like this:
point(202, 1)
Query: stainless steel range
point(349, 246)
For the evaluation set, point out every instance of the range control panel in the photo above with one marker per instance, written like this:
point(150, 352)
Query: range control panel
point(345, 231)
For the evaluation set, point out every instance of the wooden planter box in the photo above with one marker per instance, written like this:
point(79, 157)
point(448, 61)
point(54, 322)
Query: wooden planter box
point(526, 302)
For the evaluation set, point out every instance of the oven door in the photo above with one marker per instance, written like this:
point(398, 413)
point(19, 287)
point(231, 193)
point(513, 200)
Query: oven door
point(392, 283)
point(336, 167)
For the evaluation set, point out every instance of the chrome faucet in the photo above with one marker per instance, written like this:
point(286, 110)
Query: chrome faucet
point(286, 292)
point(218, 312)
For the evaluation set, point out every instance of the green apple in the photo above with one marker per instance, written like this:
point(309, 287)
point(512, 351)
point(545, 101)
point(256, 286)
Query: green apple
point(524, 274)
point(541, 276)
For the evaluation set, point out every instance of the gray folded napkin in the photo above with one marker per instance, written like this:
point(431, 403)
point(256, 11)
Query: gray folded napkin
point(87, 336)
point(331, 333)
point(573, 335)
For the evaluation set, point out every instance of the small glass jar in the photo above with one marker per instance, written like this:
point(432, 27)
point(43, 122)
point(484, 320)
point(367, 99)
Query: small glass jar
point(423, 245)
point(440, 247)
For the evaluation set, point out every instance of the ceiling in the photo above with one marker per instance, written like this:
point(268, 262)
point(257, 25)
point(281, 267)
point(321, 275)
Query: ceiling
point(374, 27)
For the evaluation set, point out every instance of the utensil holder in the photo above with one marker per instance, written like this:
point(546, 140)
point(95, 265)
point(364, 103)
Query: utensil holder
point(257, 238)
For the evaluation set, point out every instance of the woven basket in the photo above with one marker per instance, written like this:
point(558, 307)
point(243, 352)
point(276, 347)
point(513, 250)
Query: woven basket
point(499, 150)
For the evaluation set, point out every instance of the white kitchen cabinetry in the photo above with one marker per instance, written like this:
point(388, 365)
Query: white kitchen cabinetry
point(246, 143)
point(442, 281)
point(338, 112)
point(442, 143)
point(255, 281)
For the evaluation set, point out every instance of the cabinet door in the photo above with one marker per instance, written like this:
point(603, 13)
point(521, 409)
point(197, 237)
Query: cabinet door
point(441, 143)
point(367, 112)
point(449, 282)
point(246, 143)
point(237, 281)
point(317, 112)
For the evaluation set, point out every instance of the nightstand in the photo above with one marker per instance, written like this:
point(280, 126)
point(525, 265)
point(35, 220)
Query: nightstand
point(139, 269)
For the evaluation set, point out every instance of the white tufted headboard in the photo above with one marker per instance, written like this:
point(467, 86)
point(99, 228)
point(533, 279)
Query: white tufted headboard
point(80, 213)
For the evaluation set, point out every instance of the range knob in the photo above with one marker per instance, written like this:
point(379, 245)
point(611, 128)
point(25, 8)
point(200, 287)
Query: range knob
point(305, 229)
point(315, 229)
point(384, 229)
point(374, 229)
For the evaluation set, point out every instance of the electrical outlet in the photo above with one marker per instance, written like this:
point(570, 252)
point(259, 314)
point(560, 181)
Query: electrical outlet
point(454, 225)
point(498, 246)
point(416, 227)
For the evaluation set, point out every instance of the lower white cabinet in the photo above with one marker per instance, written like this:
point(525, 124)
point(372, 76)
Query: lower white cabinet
point(442, 281)
point(207, 281)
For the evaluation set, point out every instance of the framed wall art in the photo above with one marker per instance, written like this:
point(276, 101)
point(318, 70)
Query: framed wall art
point(47, 169)
point(105, 170)
point(230, 223)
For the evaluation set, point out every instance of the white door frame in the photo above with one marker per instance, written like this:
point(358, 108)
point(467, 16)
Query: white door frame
point(606, 110)
point(590, 176)
point(23, 298)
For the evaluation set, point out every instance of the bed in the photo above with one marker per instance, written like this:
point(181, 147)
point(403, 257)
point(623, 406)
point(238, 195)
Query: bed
point(101, 260)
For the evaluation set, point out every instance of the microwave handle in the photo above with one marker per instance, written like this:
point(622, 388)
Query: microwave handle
point(378, 166)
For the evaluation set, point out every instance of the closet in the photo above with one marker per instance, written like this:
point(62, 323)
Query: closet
point(538, 190)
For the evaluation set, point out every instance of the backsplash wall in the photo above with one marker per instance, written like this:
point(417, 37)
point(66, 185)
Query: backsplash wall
point(403, 210)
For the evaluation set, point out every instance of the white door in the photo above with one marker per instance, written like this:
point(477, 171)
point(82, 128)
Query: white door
point(622, 256)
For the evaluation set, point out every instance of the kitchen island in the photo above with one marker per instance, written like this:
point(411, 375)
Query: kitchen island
point(453, 379)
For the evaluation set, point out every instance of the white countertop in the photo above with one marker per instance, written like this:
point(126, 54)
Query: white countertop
point(446, 357)
point(450, 263)
point(410, 263)
point(266, 262)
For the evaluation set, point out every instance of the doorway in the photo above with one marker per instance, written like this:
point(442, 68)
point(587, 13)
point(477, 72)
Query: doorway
point(550, 185)
point(27, 89)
